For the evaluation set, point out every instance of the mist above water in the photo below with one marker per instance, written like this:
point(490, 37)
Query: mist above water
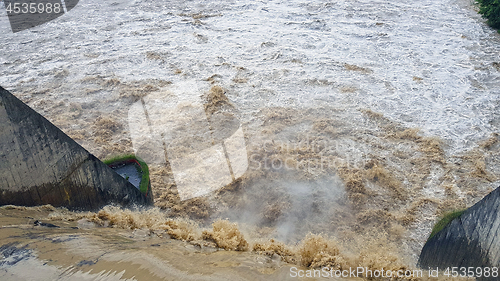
point(401, 96)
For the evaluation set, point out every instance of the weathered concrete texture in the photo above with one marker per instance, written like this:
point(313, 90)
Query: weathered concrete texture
point(471, 240)
point(39, 164)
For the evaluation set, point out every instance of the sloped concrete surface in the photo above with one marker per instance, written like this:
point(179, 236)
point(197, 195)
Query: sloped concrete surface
point(39, 164)
point(471, 240)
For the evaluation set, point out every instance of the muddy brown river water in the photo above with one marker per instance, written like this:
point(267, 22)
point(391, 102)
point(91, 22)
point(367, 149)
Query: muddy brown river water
point(363, 122)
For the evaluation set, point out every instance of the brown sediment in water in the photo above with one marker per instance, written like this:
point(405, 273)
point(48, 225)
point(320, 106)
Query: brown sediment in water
point(181, 230)
point(354, 185)
point(380, 179)
point(394, 183)
point(216, 100)
point(78, 251)
point(313, 251)
point(353, 67)
point(226, 235)
point(490, 142)
point(273, 247)
point(167, 198)
point(104, 128)
point(430, 146)
point(379, 174)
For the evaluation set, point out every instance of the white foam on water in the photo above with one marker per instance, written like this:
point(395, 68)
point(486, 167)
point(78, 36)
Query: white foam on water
point(428, 64)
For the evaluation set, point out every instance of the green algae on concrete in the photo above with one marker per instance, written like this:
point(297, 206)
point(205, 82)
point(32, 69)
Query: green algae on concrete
point(470, 239)
point(444, 221)
point(144, 185)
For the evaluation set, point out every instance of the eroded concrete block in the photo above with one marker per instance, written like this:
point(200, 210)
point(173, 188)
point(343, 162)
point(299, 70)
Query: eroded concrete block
point(39, 164)
point(471, 240)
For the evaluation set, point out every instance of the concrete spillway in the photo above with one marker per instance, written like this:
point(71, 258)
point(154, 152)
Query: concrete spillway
point(471, 240)
point(39, 164)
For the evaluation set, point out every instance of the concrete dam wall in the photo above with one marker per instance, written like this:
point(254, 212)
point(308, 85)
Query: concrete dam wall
point(470, 240)
point(39, 164)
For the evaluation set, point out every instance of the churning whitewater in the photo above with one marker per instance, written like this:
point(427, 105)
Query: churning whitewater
point(362, 123)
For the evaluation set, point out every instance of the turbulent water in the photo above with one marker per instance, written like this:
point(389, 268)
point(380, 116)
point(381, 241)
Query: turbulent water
point(364, 121)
